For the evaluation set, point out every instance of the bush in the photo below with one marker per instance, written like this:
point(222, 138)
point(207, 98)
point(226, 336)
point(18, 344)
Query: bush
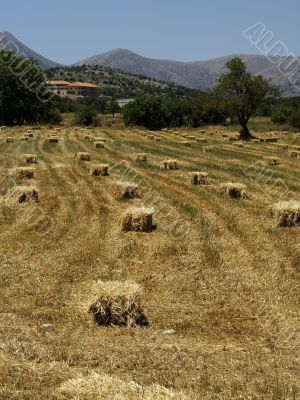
point(146, 111)
point(87, 117)
point(280, 114)
point(294, 119)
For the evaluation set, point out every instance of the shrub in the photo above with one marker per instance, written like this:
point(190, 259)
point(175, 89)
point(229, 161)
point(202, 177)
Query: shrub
point(87, 117)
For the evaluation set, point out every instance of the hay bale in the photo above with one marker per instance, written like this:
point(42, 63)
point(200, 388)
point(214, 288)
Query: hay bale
point(99, 145)
point(87, 137)
point(24, 138)
point(192, 137)
point(294, 153)
point(9, 139)
point(225, 135)
point(138, 220)
point(118, 311)
point(151, 137)
point(24, 172)
point(30, 158)
point(26, 194)
point(158, 139)
point(296, 148)
point(233, 138)
point(98, 139)
point(126, 190)
point(234, 190)
point(143, 157)
point(271, 161)
point(208, 149)
point(186, 143)
point(83, 156)
point(116, 303)
point(53, 139)
point(99, 170)
point(176, 133)
point(256, 140)
point(170, 164)
point(239, 144)
point(287, 213)
point(271, 139)
point(199, 178)
point(201, 140)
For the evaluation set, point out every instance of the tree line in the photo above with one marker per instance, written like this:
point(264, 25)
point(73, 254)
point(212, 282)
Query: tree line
point(238, 95)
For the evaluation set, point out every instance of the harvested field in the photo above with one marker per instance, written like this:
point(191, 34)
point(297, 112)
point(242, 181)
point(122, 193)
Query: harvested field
point(220, 276)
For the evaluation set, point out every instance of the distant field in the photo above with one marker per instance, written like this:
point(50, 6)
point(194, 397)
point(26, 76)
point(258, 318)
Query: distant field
point(216, 270)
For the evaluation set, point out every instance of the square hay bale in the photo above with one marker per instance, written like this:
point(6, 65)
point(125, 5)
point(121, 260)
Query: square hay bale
point(30, 158)
point(186, 143)
point(24, 138)
point(24, 172)
point(143, 157)
point(201, 140)
point(98, 139)
point(176, 133)
point(99, 170)
point(53, 139)
point(83, 156)
point(138, 220)
point(271, 139)
point(234, 190)
point(296, 148)
point(170, 164)
point(199, 178)
point(126, 190)
point(192, 137)
point(26, 194)
point(151, 137)
point(225, 135)
point(117, 303)
point(99, 145)
point(233, 138)
point(272, 161)
point(287, 213)
point(208, 149)
point(239, 144)
point(87, 137)
point(294, 153)
point(256, 140)
point(9, 139)
point(158, 139)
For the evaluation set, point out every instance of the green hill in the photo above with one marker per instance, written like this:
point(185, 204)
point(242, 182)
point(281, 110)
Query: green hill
point(118, 83)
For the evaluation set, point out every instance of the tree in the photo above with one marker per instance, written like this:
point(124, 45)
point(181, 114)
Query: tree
point(23, 94)
point(281, 114)
point(243, 92)
point(294, 119)
point(87, 117)
point(146, 111)
point(113, 107)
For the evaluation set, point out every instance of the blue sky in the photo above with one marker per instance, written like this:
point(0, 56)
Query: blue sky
point(190, 30)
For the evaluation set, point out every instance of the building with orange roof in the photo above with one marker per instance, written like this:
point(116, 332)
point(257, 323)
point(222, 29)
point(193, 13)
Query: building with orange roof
point(73, 89)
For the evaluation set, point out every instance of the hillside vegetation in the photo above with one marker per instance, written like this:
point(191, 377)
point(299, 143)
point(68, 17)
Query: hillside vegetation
point(218, 278)
point(116, 83)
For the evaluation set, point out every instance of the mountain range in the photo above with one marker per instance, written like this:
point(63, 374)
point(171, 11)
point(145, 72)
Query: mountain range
point(196, 75)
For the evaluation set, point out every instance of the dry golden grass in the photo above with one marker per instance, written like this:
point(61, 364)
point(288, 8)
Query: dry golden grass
point(222, 299)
